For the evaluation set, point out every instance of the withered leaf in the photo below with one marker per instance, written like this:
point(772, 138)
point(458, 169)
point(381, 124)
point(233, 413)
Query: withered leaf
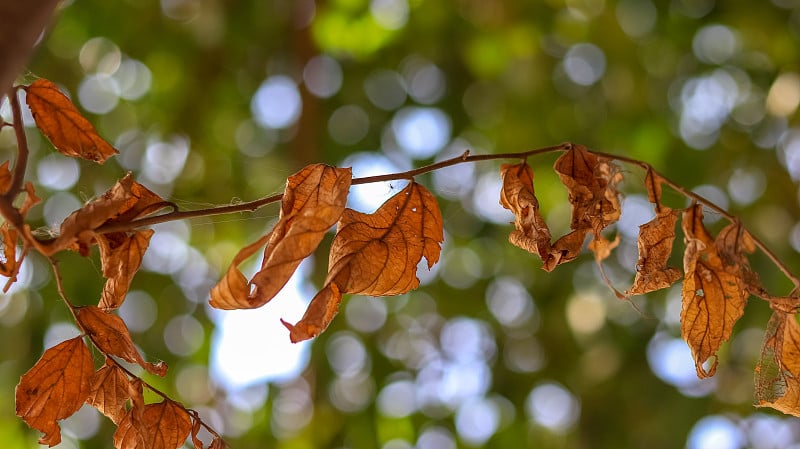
point(376, 254)
point(233, 290)
point(68, 130)
point(652, 182)
point(109, 333)
point(55, 388)
point(313, 201)
point(591, 182)
point(777, 373)
point(713, 298)
point(565, 249)
point(126, 200)
point(655, 247)
point(5, 177)
point(517, 195)
point(110, 391)
point(601, 248)
point(164, 425)
point(121, 255)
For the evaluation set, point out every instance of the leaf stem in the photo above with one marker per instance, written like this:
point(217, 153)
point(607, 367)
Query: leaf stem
point(20, 166)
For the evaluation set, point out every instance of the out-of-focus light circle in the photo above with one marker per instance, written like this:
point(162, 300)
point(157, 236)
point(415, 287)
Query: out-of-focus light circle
point(716, 432)
point(346, 354)
point(421, 132)
point(134, 79)
point(426, 83)
point(58, 172)
point(368, 197)
point(164, 161)
point(390, 14)
point(671, 360)
point(746, 185)
point(784, 95)
point(586, 313)
point(83, 424)
point(397, 399)
point(322, 76)
point(585, 64)
point(59, 332)
point(386, 89)
point(58, 207)
point(467, 340)
point(184, 335)
point(436, 438)
point(636, 17)
point(714, 44)
point(509, 302)
point(277, 103)
point(167, 253)
point(100, 55)
point(365, 313)
point(484, 199)
point(139, 311)
point(636, 210)
point(99, 93)
point(348, 124)
point(476, 421)
point(552, 406)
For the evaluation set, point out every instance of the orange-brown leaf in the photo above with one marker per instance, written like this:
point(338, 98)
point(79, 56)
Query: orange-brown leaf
point(777, 376)
point(164, 425)
point(591, 182)
point(565, 249)
point(376, 254)
point(121, 255)
point(110, 391)
point(655, 247)
point(233, 290)
point(601, 248)
point(126, 200)
point(55, 388)
point(517, 195)
point(5, 177)
point(313, 201)
point(58, 119)
point(652, 182)
point(713, 298)
point(111, 336)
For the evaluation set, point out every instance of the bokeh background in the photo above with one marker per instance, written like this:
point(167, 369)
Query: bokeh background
point(214, 102)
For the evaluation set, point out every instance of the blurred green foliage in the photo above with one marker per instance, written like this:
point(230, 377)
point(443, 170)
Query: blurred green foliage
point(490, 351)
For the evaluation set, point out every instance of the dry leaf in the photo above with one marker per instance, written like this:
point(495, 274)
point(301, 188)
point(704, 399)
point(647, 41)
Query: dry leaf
point(652, 182)
point(55, 388)
point(565, 249)
point(517, 195)
point(121, 255)
point(313, 201)
point(713, 298)
point(777, 373)
point(655, 247)
point(123, 202)
point(164, 425)
point(376, 254)
point(601, 248)
point(58, 119)
point(109, 333)
point(196, 423)
point(110, 391)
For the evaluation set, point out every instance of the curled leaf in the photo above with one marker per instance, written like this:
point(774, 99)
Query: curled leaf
point(655, 247)
point(777, 375)
point(55, 388)
point(121, 255)
point(164, 425)
point(313, 201)
point(601, 248)
point(68, 130)
point(376, 254)
point(517, 195)
point(111, 336)
point(110, 391)
point(713, 298)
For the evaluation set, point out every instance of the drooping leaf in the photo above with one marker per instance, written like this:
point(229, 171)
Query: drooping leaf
point(5, 177)
point(591, 182)
point(655, 247)
point(55, 388)
point(777, 375)
point(233, 290)
point(110, 391)
point(376, 254)
point(313, 201)
point(123, 202)
point(652, 183)
point(601, 248)
point(111, 336)
point(68, 130)
point(196, 423)
point(565, 249)
point(517, 195)
point(121, 255)
point(164, 425)
point(713, 298)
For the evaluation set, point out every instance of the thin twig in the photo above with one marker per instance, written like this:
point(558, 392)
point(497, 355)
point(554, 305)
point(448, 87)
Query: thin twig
point(18, 176)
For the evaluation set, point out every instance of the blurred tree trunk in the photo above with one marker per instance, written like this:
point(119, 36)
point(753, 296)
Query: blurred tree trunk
point(21, 25)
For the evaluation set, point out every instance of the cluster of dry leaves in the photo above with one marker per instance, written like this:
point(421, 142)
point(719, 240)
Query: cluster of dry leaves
point(373, 254)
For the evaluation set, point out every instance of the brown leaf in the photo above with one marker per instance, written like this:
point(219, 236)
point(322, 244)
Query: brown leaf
point(652, 182)
point(58, 119)
point(313, 201)
point(777, 375)
point(55, 388)
point(565, 249)
point(5, 177)
point(601, 248)
point(196, 423)
point(111, 336)
point(517, 195)
point(592, 185)
point(121, 255)
point(713, 298)
point(110, 391)
point(123, 202)
point(164, 425)
point(655, 247)
point(376, 254)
